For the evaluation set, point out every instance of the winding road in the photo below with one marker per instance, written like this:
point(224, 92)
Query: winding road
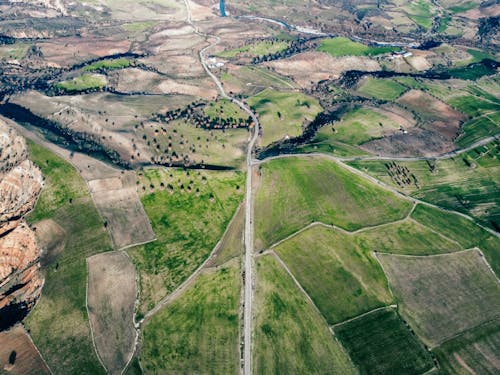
point(248, 262)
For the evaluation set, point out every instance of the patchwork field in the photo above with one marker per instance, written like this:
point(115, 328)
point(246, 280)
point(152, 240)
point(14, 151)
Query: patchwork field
point(345, 47)
point(199, 331)
point(289, 334)
point(380, 343)
point(443, 295)
point(467, 183)
point(117, 200)
point(111, 297)
point(283, 115)
point(295, 191)
point(359, 126)
point(382, 89)
point(18, 355)
point(59, 323)
point(475, 351)
point(189, 211)
point(464, 231)
point(342, 279)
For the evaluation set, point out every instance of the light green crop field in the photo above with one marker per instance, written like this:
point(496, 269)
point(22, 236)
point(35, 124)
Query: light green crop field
point(443, 295)
point(380, 343)
point(467, 183)
point(14, 51)
point(198, 333)
point(59, 323)
point(296, 191)
point(463, 231)
point(409, 237)
point(108, 64)
point(189, 211)
point(481, 127)
point(359, 126)
point(290, 337)
point(283, 114)
point(83, 82)
point(232, 244)
point(341, 46)
point(421, 13)
point(182, 138)
point(475, 350)
point(343, 280)
point(224, 109)
point(382, 89)
point(255, 49)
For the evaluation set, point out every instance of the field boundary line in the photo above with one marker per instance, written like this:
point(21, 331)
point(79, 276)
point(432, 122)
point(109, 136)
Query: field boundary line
point(178, 291)
point(342, 162)
point(481, 254)
point(418, 223)
point(471, 249)
point(36, 348)
point(308, 297)
point(374, 254)
point(88, 318)
point(393, 306)
point(444, 341)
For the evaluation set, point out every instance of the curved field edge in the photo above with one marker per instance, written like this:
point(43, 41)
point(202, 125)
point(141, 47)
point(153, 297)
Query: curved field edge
point(59, 323)
point(297, 191)
point(189, 211)
point(290, 336)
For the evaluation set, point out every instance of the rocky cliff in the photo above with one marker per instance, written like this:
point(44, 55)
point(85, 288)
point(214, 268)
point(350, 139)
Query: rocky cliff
point(20, 184)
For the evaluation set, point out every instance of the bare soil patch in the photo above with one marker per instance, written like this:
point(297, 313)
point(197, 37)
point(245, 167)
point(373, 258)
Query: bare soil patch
point(51, 240)
point(309, 68)
point(18, 354)
point(117, 200)
point(443, 295)
point(111, 297)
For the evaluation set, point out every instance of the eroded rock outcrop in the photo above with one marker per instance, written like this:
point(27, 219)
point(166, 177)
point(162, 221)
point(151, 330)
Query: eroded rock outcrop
point(20, 184)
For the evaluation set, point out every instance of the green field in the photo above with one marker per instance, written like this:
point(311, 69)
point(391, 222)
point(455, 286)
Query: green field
point(290, 337)
point(108, 64)
point(198, 333)
point(359, 126)
point(409, 237)
point(479, 128)
point(295, 191)
point(477, 349)
point(82, 83)
point(14, 51)
point(189, 211)
point(59, 323)
point(463, 231)
point(341, 46)
point(224, 109)
point(443, 295)
point(382, 89)
point(256, 49)
point(467, 183)
point(421, 13)
point(283, 114)
point(380, 343)
point(474, 105)
point(342, 279)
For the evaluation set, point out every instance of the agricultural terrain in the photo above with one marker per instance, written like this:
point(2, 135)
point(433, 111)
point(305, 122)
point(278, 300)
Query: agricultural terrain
point(250, 187)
